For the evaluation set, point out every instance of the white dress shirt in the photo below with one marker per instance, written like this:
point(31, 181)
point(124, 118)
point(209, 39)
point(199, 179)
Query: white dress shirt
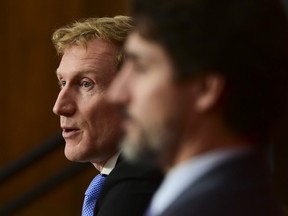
point(110, 164)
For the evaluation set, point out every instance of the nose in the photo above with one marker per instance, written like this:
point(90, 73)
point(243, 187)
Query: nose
point(118, 91)
point(64, 105)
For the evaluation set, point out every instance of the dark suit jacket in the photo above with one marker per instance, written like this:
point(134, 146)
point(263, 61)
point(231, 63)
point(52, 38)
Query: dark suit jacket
point(127, 190)
point(238, 187)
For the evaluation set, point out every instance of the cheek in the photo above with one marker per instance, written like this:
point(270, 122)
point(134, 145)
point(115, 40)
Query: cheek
point(90, 111)
point(103, 119)
point(153, 101)
point(91, 117)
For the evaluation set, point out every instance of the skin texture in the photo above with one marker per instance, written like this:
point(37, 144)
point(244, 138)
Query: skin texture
point(154, 104)
point(90, 124)
point(167, 121)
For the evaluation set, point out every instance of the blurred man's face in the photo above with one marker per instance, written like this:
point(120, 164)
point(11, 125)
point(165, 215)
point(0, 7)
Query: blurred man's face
point(152, 101)
point(90, 125)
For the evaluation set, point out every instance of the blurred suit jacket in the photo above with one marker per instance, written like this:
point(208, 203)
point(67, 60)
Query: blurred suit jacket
point(240, 186)
point(128, 189)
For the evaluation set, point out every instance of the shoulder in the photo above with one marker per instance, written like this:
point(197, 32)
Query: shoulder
point(128, 189)
point(133, 178)
point(240, 186)
point(125, 170)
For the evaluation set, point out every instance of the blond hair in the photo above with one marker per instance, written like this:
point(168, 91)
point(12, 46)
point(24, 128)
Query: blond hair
point(112, 29)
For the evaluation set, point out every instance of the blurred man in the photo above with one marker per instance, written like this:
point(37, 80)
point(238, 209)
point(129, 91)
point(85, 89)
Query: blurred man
point(203, 84)
point(91, 53)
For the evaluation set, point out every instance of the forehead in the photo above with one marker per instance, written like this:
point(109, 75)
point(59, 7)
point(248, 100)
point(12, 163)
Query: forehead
point(138, 47)
point(98, 55)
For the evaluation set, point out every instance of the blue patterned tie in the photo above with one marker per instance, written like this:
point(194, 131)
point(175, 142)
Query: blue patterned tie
point(92, 194)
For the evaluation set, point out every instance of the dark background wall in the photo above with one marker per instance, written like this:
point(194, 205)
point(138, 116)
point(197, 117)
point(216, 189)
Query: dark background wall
point(28, 89)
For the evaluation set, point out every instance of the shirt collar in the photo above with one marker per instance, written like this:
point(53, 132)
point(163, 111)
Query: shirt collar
point(110, 164)
point(186, 173)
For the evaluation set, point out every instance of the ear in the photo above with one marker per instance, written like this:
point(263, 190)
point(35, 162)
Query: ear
point(208, 91)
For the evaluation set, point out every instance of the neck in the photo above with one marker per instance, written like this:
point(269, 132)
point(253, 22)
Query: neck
point(209, 137)
point(99, 165)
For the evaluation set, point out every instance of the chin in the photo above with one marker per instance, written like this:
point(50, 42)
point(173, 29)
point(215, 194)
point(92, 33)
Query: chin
point(139, 152)
point(71, 157)
point(69, 154)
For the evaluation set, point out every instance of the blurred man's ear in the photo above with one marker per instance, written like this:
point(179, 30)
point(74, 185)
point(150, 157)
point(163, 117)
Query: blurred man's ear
point(207, 91)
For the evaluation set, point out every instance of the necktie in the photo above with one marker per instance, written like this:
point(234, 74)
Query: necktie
point(92, 194)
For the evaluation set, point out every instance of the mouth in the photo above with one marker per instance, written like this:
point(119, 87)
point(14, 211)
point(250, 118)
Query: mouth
point(70, 132)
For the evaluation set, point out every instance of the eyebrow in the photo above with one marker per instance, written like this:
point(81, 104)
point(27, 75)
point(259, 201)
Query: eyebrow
point(131, 55)
point(83, 72)
point(57, 72)
point(101, 78)
point(136, 57)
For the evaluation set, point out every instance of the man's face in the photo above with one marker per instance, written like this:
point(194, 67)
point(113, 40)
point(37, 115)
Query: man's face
point(153, 103)
point(90, 124)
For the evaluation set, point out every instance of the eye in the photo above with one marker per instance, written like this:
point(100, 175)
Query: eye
point(61, 83)
point(86, 84)
point(140, 67)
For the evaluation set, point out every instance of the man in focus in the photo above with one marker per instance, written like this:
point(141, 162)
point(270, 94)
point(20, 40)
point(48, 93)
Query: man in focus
point(91, 54)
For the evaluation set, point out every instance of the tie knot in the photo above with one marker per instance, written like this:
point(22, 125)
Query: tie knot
point(95, 186)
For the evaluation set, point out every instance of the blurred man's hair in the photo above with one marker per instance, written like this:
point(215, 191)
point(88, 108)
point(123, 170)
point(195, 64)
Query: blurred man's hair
point(245, 41)
point(111, 29)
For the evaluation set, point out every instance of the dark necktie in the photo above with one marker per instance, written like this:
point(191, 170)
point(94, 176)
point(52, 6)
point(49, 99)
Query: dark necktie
point(92, 194)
